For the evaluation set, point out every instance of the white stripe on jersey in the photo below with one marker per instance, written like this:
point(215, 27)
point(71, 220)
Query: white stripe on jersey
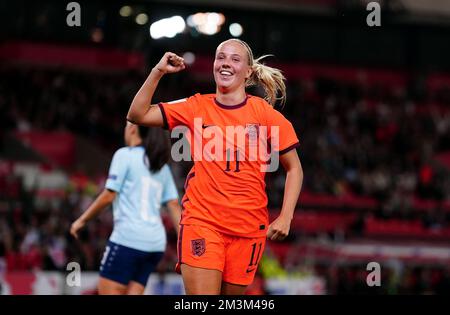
point(177, 101)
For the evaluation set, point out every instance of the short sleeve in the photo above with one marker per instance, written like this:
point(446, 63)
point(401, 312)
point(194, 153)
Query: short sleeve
point(177, 113)
point(281, 133)
point(170, 189)
point(117, 170)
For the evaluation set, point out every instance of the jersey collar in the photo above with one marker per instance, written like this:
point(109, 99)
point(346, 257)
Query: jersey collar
point(231, 106)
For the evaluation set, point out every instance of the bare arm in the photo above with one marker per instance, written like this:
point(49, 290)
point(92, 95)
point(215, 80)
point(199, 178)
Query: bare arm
point(103, 200)
point(141, 111)
point(280, 227)
point(175, 213)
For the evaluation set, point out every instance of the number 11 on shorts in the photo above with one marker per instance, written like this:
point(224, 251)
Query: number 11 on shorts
point(254, 260)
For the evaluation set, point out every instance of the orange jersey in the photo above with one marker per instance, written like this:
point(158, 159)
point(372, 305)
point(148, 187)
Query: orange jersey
point(225, 189)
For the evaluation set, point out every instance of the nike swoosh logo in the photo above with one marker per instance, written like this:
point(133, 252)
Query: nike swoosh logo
point(206, 126)
point(249, 270)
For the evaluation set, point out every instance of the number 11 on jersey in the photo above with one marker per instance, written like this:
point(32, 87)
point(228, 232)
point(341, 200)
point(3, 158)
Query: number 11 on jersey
point(236, 153)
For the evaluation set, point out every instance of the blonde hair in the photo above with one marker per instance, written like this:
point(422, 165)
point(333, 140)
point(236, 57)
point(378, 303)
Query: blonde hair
point(271, 79)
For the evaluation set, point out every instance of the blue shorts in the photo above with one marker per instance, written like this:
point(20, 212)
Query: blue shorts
point(124, 264)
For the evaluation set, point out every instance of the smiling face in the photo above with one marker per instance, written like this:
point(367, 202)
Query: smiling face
point(231, 66)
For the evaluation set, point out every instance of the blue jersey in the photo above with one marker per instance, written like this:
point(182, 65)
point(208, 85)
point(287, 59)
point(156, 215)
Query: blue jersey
point(140, 194)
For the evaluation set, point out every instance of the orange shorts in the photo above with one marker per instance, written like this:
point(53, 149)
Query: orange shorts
point(236, 257)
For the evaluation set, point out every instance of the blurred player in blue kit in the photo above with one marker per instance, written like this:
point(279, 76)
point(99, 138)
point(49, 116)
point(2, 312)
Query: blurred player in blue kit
point(138, 184)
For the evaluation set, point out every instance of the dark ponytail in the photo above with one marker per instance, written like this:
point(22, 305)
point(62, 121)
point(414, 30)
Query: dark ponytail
point(157, 147)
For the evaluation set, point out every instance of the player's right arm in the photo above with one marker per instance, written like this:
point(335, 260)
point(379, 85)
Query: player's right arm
point(103, 200)
point(141, 111)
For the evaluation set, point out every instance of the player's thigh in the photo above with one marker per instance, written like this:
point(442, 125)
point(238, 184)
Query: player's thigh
point(135, 288)
point(110, 287)
point(242, 259)
point(201, 281)
point(232, 289)
point(201, 258)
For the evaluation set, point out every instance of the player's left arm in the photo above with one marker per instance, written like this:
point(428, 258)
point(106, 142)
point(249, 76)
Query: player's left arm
point(175, 213)
point(280, 227)
point(103, 200)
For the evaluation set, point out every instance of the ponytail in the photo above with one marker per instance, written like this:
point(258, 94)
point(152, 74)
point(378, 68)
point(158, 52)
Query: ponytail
point(157, 147)
point(271, 79)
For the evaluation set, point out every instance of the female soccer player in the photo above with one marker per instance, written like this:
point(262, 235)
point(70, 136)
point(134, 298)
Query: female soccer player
point(224, 221)
point(139, 182)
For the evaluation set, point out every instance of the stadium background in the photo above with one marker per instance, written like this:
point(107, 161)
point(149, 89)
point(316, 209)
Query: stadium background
point(371, 106)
